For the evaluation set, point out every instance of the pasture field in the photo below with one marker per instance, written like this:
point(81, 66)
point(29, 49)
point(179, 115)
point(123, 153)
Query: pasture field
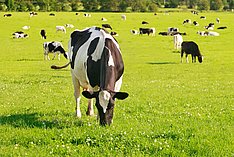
point(173, 108)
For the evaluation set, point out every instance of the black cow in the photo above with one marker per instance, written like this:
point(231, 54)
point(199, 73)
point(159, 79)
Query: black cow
point(223, 27)
point(51, 14)
point(190, 47)
point(97, 67)
point(106, 26)
point(147, 31)
point(144, 22)
point(43, 34)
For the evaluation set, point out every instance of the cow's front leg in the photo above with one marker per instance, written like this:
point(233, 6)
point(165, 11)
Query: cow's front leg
point(90, 111)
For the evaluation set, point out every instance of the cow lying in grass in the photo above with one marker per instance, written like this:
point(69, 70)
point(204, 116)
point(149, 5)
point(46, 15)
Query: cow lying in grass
point(190, 47)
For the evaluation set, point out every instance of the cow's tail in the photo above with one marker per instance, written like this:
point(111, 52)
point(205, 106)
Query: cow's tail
point(59, 67)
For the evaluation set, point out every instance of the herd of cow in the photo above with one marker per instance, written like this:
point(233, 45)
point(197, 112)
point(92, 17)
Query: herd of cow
point(96, 62)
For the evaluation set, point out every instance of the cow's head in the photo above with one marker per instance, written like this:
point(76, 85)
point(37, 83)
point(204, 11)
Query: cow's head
point(200, 58)
point(105, 103)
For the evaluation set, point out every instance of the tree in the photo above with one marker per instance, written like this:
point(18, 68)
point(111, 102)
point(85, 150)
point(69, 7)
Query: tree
point(109, 5)
point(90, 5)
point(203, 5)
point(216, 5)
point(9, 4)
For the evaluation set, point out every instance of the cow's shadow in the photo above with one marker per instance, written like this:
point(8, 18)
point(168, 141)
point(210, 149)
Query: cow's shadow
point(161, 62)
point(33, 120)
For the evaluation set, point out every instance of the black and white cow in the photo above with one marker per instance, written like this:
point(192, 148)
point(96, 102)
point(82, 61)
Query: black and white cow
point(172, 30)
point(43, 34)
point(97, 67)
point(7, 15)
point(53, 47)
point(190, 47)
point(147, 31)
point(20, 34)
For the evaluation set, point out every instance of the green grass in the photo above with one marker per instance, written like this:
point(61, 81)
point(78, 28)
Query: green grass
point(173, 109)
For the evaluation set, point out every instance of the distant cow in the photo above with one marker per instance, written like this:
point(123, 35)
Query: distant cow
point(190, 47)
point(43, 34)
point(25, 27)
point(217, 20)
point(144, 22)
point(172, 30)
point(7, 15)
point(208, 33)
point(195, 23)
point(223, 27)
point(178, 39)
point(32, 13)
point(194, 12)
point(87, 15)
point(19, 34)
point(134, 32)
point(210, 26)
point(53, 47)
point(60, 28)
point(124, 17)
point(147, 31)
point(69, 25)
point(51, 14)
point(106, 26)
point(203, 17)
point(97, 67)
point(187, 21)
point(103, 19)
point(114, 34)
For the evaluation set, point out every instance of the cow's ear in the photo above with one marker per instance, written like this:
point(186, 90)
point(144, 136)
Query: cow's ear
point(88, 94)
point(120, 95)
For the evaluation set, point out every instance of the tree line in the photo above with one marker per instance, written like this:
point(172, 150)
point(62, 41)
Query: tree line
point(112, 5)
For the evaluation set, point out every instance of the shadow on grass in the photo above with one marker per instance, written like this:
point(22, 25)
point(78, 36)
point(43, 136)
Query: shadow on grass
point(32, 120)
point(161, 63)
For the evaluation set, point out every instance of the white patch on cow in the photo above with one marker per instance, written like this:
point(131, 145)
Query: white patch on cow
point(118, 84)
point(110, 61)
point(104, 97)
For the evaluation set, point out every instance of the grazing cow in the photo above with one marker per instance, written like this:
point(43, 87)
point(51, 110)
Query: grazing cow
point(144, 23)
point(69, 25)
point(210, 26)
point(31, 14)
point(195, 23)
point(114, 34)
point(223, 27)
point(77, 13)
point(123, 17)
point(87, 15)
point(97, 67)
point(103, 19)
point(194, 12)
point(134, 32)
point(172, 30)
point(20, 34)
point(106, 26)
point(178, 39)
point(60, 28)
point(163, 33)
point(190, 47)
point(25, 27)
point(203, 17)
point(53, 47)
point(187, 21)
point(217, 20)
point(7, 15)
point(147, 31)
point(51, 14)
point(43, 34)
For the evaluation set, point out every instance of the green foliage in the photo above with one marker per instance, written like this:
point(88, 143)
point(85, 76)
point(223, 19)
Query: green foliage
point(203, 5)
point(173, 109)
point(216, 5)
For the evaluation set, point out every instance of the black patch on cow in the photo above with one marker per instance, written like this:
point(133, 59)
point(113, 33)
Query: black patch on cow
point(93, 46)
point(77, 40)
point(51, 47)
